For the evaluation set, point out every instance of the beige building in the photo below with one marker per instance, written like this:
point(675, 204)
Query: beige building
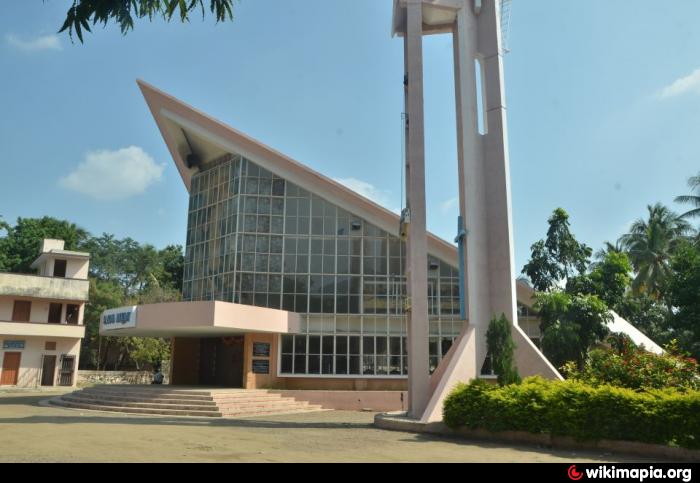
point(41, 319)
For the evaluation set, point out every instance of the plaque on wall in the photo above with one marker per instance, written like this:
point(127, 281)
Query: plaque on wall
point(13, 344)
point(261, 349)
point(261, 367)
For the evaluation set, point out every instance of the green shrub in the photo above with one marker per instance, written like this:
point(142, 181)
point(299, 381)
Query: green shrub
point(501, 347)
point(573, 408)
point(627, 365)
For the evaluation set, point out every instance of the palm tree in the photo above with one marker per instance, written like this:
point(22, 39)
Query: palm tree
point(692, 200)
point(601, 254)
point(650, 245)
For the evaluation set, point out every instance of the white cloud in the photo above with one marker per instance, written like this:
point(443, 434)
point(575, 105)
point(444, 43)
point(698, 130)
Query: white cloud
point(114, 175)
point(43, 42)
point(366, 189)
point(684, 85)
point(450, 205)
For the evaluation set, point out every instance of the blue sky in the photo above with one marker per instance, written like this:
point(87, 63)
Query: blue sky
point(603, 98)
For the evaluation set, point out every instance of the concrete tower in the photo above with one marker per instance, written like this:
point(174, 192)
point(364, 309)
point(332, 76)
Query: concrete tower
point(484, 195)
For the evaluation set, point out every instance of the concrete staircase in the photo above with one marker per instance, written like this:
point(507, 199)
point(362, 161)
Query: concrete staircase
point(168, 401)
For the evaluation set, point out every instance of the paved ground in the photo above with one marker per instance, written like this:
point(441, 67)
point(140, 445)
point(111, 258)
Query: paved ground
point(33, 433)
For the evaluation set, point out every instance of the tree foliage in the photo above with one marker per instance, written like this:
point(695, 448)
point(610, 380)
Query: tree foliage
point(122, 272)
point(501, 348)
point(20, 247)
point(558, 257)
point(83, 15)
point(693, 199)
point(571, 325)
point(683, 293)
point(650, 245)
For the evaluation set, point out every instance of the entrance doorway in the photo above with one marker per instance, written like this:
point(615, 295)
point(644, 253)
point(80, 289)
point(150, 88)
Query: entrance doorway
point(221, 361)
point(48, 370)
point(10, 368)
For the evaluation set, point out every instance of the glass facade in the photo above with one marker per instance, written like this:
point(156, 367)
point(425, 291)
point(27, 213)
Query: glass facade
point(254, 238)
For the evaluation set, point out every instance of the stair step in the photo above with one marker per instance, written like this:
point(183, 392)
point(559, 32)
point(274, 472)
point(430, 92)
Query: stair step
point(163, 412)
point(173, 402)
point(138, 404)
point(263, 413)
point(142, 394)
point(244, 398)
point(154, 400)
point(154, 388)
point(280, 404)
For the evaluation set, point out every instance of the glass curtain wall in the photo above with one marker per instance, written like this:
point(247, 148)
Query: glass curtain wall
point(254, 238)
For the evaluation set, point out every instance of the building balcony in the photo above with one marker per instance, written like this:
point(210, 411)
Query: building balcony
point(21, 285)
point(33, 329)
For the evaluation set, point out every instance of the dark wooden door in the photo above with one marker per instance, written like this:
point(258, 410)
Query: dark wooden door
point(207, 362)
point(10, 368)
point(230, 362)
point(48, 371)
point(21, 311)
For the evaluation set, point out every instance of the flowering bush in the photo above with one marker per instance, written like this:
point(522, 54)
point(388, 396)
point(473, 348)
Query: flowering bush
point(626, 365)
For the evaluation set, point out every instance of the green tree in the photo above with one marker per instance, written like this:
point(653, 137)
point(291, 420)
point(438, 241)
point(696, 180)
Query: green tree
point(172, 267)
point(693, 199)
point(85, 14)
point(133, 266)
point(650, 244)
point(611, 278)
point(683, 293)
point(647, 315)
point(104, 295)
point(571, 325)
point(20, 247)
point(558, 257)
point(607, 249)
point(501, 347)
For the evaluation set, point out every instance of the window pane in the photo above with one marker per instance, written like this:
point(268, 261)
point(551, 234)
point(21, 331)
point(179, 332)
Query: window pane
point(381, 346)
point(286, 364)
point(354, 365)
point(314, 364)
point(327, 364)
point(354, 345)
point(395, 365)
point(299, 364)
point(300, 344)
point(368, 365)
point(368, 345)
point(341, 364)
point(328, 344)
point(287, 344)
point(341, 345)
point(314, 344)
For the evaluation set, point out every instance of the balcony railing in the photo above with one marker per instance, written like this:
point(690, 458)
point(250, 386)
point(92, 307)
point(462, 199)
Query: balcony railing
point(21, 285)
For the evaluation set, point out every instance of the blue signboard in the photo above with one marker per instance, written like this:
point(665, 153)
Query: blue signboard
point(13, 344)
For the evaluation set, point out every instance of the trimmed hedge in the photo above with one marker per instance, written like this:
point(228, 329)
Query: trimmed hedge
point(571, 408)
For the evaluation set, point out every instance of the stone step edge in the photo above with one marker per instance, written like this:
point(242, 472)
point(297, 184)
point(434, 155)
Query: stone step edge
point(139, 405)
point(165, 412)
point(149, 394)
point(155, 388)
point(141, 399)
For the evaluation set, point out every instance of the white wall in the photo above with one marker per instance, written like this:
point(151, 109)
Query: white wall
point(40, 309)
point(30, 362)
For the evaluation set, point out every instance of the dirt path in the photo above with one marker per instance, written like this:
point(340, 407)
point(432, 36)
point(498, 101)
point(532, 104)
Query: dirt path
point(32, 433)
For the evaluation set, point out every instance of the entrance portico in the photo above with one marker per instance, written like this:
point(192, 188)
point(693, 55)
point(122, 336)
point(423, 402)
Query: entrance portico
point(213, 343)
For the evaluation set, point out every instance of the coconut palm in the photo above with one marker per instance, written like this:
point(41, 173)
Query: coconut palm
point(650, 245)
point(601, 254)
point(693, 199)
